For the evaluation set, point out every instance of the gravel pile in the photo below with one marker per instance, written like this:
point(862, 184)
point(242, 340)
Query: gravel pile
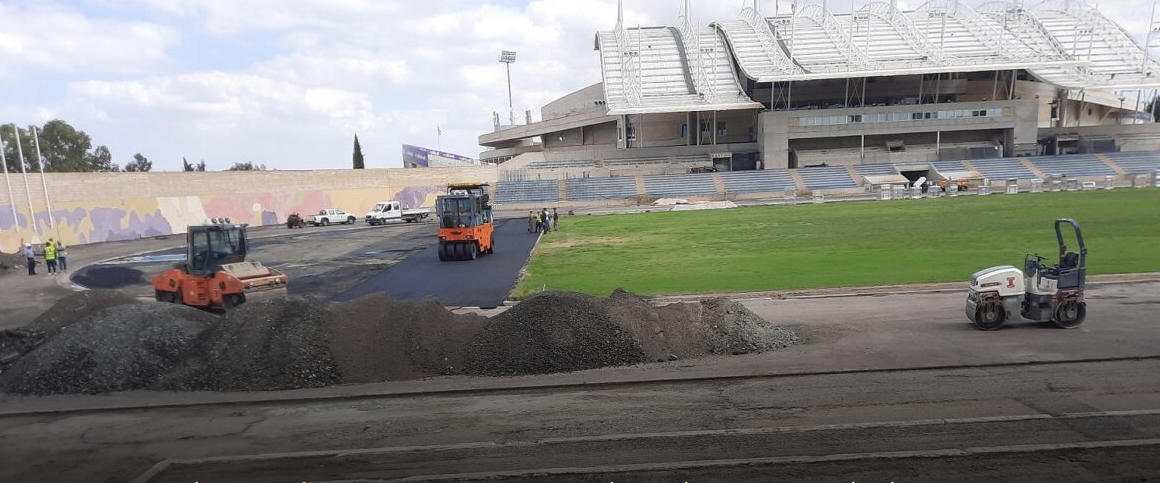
point(78, 306)
point(377, 338)
point(103, 341)
point(11, 261)
point(272, 344)
point(552, 332)
point(117, 349)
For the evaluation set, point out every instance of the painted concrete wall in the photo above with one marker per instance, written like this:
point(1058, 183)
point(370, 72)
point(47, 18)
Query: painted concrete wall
point(97, 207)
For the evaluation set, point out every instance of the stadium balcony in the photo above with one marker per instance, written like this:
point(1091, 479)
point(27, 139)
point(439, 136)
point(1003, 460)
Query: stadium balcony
point(830, 177)
point(529, 191)
point(1072, 165)
point(771, 180)
point(666, 185)
point(591, 189)
point(1139, 162)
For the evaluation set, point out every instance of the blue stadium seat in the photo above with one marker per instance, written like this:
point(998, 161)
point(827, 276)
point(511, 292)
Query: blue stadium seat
point(587, 189)
point(830, 177)
point(757, 181)
point(527, 191)
point(695, 184)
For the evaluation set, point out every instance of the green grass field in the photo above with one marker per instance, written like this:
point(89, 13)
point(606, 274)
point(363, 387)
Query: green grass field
point(839, 244)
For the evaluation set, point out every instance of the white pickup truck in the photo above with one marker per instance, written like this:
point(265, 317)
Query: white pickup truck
point(390, 211)
point(332, 215)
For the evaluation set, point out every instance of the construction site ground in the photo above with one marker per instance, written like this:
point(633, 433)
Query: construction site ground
point(889, 384)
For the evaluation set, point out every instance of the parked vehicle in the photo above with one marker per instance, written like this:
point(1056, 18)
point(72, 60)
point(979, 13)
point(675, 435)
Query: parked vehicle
point(392, 211)
point(331, 216)
point(295, 221)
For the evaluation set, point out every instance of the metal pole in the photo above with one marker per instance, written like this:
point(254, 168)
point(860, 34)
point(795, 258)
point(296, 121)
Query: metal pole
point(7, 181)
point(28, 192)
point(937, 143)
point(44, 181)
point(1147, 40)
point(511, 108)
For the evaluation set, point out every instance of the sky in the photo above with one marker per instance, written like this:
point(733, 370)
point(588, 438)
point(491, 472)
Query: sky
point(289, 83)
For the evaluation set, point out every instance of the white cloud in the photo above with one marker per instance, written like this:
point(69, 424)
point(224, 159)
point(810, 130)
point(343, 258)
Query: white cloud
point(46, 36)
point(297, 78)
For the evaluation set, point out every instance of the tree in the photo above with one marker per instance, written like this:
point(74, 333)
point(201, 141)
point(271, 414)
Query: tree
point(139, 164)
point(358, 155)
point(101, 160)
point(200, 166)
point(185, 165)
point(63, 148)
point(247, 166)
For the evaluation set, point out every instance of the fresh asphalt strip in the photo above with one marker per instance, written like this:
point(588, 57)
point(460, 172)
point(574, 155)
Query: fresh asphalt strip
point(483, 282)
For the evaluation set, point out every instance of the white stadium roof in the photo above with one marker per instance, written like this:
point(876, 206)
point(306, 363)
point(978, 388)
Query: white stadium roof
point(1063, 42)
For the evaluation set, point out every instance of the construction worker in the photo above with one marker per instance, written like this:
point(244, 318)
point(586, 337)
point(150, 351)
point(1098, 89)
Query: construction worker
point(539, 223)
point(547, 220)
point(555, 219)
point(31, 256)
point(50, 256)
point(62, 255)
point(531, 221)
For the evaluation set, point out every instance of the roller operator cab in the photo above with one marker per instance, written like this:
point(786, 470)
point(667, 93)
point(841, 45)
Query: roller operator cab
point(1038, 292)
point(215, 272)
point(465, 222)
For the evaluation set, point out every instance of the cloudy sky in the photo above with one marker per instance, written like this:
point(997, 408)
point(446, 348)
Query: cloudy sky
point(287, 83)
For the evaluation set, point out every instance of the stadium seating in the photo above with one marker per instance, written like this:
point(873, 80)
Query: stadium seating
point(1141, 162)
point(547, 190)
point(757, 181)
point(587, 189)
point(576, 163)
point(876, 169)
point(608, 163)
point(1002, 168)
point(949, 166)
point(1072, 165)
point(700, 184)
point(831, 177)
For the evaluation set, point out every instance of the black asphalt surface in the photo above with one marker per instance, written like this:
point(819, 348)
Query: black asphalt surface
point(483, 282)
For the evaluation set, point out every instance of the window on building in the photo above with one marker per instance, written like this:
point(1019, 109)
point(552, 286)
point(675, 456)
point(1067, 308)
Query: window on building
point(631, 130)
point(683, 130)
point(721, 128)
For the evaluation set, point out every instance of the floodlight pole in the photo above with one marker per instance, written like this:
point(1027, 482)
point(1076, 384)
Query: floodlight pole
point(11, 200)
point(508, 58)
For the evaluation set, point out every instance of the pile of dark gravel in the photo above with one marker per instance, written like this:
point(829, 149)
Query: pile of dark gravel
point(78, 306)
point(117, 349)
point(552, 332)
point(377, 338)
point(272, 344)
point(103, 341)
point(11, 261)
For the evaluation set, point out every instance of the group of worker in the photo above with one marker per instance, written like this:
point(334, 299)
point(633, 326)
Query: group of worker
point(54, 252)
point(542, 221)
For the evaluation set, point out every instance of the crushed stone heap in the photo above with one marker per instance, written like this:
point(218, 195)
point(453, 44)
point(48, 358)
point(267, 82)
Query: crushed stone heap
point(102, 341)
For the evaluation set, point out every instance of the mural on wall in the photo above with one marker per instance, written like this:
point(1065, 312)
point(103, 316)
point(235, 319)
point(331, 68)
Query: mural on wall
point(127, 219)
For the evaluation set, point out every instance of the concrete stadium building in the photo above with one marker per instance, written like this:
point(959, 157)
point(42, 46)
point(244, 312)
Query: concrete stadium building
point(944, 82)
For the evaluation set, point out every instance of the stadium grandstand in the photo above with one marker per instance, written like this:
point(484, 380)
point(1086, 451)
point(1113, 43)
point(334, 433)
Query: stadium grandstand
point(812, 100)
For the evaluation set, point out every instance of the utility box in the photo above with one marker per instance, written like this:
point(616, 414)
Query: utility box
point(1012, 186)
point(983, 190)
point(819, 197)
point(1036, 185)
point(1073, 185)
point(790, 197)
point(1156, 178)
point(884, 191)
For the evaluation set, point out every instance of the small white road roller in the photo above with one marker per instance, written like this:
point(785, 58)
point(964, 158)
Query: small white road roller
point(1039, 293)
